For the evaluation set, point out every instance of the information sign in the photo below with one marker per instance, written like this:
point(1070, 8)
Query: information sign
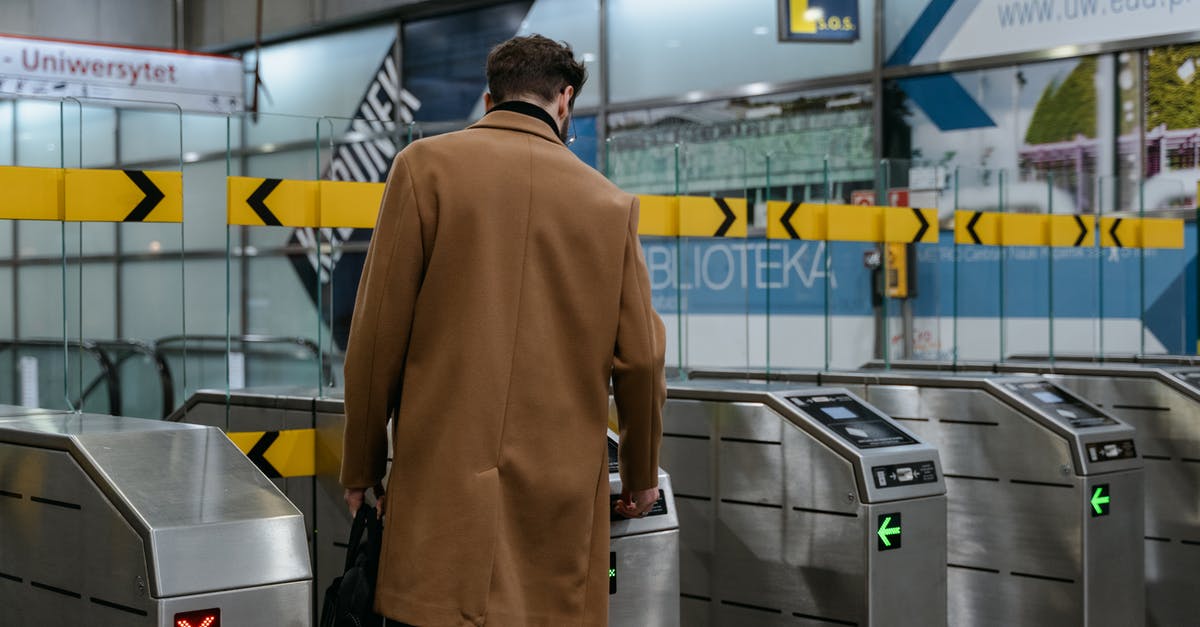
point(818, 20)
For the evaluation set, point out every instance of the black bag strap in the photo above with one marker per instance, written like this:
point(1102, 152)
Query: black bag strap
point(362, 521)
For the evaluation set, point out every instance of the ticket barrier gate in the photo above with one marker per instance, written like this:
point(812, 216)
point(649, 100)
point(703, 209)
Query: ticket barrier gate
point(118, 521)
point(1163, 403)
point(802, 506)
point(644, 563)
point(1044, 489)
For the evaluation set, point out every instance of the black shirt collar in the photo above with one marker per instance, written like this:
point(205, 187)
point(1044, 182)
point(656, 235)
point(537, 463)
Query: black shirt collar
point(530, 109)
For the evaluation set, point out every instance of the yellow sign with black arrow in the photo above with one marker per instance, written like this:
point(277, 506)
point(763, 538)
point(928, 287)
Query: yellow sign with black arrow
point(691, 216)
point(1141, 232)
point(851, 223)
point(280, 454)
point(1073, 231)
point(977, 227)
point(123, 196)
point(712, 217)
point(84, 195)
point(794, 220)
point(272, 202)
point(1066, 231)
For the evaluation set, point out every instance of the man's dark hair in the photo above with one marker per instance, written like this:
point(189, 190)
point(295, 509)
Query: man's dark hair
point(533, 66)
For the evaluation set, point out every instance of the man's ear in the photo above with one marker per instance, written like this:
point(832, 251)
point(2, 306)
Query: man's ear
point(564, 101)
point(488, 103)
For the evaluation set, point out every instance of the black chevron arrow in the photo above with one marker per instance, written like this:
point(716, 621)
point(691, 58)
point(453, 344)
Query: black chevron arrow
point(730, 218)
point(971, 227)
point(153, 196)
point(924, 225)
point(1113, 232)
point(259, 450)
point(787, 220)
point(257, 201)
point(1083, 231)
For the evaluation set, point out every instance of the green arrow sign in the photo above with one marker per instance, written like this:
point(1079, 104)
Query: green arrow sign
point(1100, 500)
point(888, 532)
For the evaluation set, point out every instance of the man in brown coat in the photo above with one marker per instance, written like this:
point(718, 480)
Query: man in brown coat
point(504, 288)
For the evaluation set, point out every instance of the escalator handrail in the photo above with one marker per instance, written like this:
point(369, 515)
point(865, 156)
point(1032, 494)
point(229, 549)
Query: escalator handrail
point(161, 366)
point(108, 371)
point(304, 343)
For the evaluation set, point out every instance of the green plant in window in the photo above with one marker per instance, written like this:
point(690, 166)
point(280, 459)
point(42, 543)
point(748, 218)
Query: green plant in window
point(1173, 87)
point(1066, 109)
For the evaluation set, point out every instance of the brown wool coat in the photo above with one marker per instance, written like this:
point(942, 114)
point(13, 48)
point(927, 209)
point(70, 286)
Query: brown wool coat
point(504, 288)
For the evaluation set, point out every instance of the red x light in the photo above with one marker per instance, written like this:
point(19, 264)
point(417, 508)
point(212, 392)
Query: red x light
point(201, 618)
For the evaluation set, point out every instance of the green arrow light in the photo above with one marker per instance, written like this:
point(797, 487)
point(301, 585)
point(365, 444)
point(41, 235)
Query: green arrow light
point(885, 531)
point(1099, 500)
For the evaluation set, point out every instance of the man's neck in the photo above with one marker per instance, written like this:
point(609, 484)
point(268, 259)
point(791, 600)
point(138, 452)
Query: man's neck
point(532, 110)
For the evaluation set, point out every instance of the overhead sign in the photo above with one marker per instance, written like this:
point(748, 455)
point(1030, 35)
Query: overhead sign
point(888, 532)
point(818, 20)
point(80, 195)
point(1100, 501)
point(51, 68)
point(954, 30)
point(280, 454)
point(851, 223)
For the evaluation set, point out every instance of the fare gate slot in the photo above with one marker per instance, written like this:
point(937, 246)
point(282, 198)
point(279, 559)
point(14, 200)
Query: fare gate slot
point(1158, 395)
point(103, 520)
point(1026, 464)
point(782, 520)
point(644, 553)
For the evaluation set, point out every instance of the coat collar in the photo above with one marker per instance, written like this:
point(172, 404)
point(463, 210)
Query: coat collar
point(511, 121)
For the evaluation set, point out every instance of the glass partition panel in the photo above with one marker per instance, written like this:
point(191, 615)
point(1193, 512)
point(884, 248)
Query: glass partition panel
point(360, 151)
point(978, 276)
point(714, 251)
point(917, 260)
point(273, 212)
point(819, 307)
point(1167, 288)
point(138, 214)
point(648, 163)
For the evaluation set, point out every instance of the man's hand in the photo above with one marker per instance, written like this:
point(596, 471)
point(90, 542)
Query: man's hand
point(636, 504)
point(355, 496)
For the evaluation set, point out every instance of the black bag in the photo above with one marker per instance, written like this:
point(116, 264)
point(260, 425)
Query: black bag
point(350, 599)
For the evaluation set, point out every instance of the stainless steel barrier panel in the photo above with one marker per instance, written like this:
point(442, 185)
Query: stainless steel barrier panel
point(125, 521)
point(802, 506)
point(1045, 494)
point(1163, 404)
point(644, 553)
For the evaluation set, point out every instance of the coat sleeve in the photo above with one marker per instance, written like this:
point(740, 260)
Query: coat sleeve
point(639, 382)
point(379, 330)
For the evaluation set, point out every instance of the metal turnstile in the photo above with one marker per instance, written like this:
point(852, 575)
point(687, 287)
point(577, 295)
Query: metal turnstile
point(131, 522)
point(644, 553)
point(1045, 494)
point(1163, 403)
point(802, 506)
point(643, 573)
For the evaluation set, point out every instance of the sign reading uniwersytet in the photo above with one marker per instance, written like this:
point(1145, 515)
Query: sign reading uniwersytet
point(818, 20)
point(60, 69)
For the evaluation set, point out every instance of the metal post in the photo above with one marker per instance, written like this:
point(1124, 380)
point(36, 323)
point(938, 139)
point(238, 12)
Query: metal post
point(602, 80)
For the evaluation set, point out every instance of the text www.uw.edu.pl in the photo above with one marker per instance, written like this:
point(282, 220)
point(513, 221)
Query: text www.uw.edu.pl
point(1031, 12)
